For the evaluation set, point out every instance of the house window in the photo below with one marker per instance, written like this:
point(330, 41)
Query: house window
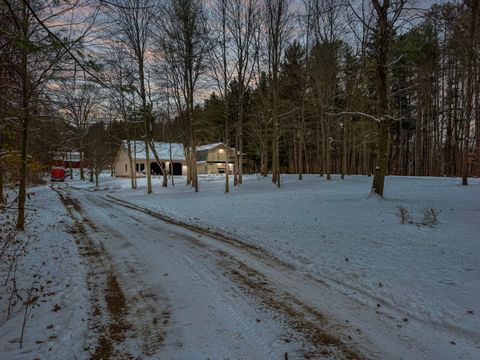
point(126, 168)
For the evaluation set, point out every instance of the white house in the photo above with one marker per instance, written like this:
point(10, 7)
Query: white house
point(211, 158)
point(172, 156)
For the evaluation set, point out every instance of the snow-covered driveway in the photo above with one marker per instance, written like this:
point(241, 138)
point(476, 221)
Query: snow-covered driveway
point(226, 298)
point(204, 298)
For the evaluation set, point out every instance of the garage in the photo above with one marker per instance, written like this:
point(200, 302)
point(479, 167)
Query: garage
point(155, 169)
point(176, 168)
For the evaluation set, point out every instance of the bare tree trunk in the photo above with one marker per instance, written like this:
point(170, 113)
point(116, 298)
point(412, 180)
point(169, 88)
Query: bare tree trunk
point(418, 141)
point(477, 120)
point(130, 164)
point(474, 7)
point(147, 167)
point(170, 170)
point(135, 162)
point(236, 171)
point(2, 196)
point(194, 164)
point(318, 134)
point(240, 142)
point(264, 159)
point(300, 159)
point(160, 165)
point(383, 42)
point(22, 190)
point(301, 139)
point(147, 125)
point(344, 149)
point(293, 153)
point(227, 171)
point(82, 169)
point(189, 167)
point(328, 149)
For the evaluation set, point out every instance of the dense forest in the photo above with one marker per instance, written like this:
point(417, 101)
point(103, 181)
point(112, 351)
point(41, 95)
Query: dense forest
point(377, 87)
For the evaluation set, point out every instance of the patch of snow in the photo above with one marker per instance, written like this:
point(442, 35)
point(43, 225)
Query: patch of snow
point(334, 231)
point(57, 328)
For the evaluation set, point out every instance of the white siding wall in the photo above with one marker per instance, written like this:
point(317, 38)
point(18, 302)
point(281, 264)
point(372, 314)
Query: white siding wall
point(122, 166)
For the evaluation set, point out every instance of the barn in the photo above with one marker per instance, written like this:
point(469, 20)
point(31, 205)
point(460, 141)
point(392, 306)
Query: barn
point(211, 158)
point(172, 157)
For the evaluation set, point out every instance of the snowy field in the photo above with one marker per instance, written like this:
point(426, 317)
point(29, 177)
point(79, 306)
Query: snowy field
point(406, 291)
point(56, 323)
point(357, 244)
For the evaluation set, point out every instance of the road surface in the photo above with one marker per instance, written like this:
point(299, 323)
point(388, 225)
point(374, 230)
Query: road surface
point(160, 290)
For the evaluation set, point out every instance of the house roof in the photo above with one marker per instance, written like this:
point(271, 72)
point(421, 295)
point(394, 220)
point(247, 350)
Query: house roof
point(162, 148)
point(209, 146)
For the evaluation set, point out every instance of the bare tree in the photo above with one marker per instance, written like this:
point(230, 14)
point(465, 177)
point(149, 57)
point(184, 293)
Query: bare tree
point(98, 151)
point(118, 77)
point(382, 27)
point(79, 101)
point(473, 9)
point(184, 41)
point(134, 19)
point(326, 27)
point(222, 72)
point(37, 53)
point(243, 24)
point(387, 14)
point(277, 24)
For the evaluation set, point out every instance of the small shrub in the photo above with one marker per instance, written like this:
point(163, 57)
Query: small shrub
point(430, 216)
point(404, 215)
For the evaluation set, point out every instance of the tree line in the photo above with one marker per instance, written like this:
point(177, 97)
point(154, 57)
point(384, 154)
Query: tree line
point(372, 87)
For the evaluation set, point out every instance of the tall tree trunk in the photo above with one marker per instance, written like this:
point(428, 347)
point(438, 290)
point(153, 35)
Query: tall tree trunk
point(300, 152)
point(81, 162)
point(147, 166)
point(240, 139)
point(22, 190)
point(383, 43)
point(133, 170)
point(146, 117)
point(328, 149)
point(474, 7)
point(235, 172)
point(170, 167)
point(477, 120)
point(418, 141)
point(293, 153)
point(160, 165)
point(264, 159)
point(135, 162)
point(344, 149)
point(2, 196)
point(189, 166)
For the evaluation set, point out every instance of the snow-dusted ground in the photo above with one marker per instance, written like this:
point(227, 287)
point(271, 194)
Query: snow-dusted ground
point(425, 279)
point(179, 303)
point(57, 328)
point(349, 276)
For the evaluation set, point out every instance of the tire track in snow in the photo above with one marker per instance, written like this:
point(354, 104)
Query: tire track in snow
point(116, 315)
point(299, 317)
point(229, 322)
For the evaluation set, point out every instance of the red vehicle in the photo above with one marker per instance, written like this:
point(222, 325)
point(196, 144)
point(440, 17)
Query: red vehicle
point(57, 174)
